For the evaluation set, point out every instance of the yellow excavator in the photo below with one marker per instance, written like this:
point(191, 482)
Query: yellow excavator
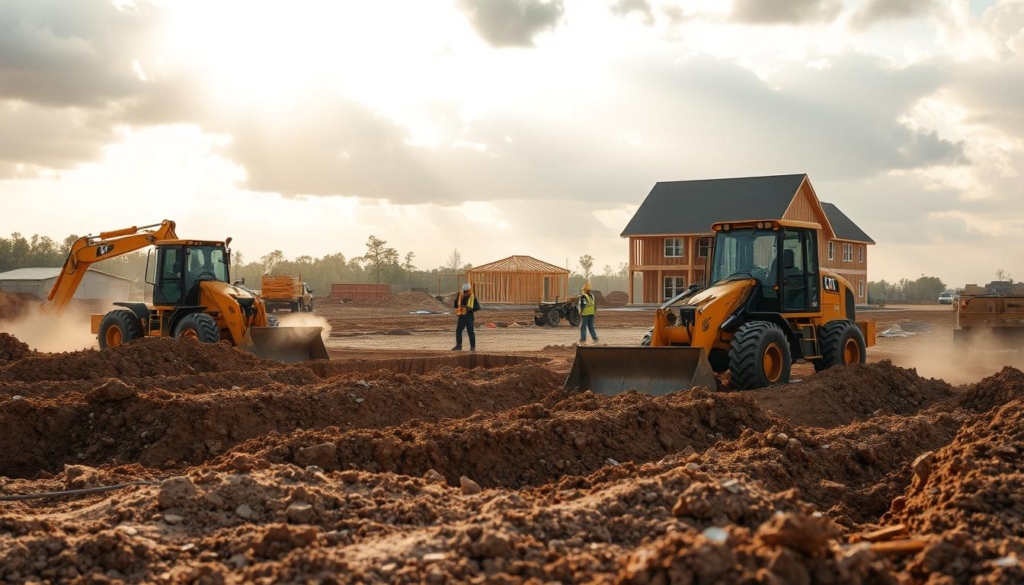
point(766, 303)
point(192, 296)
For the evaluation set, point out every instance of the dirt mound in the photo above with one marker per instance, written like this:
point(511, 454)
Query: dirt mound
point(405, 301)
point(12, 348)
point(994, 391)
point(839, 396)
point(616, 298)
point(149, 356)
point(14, 305)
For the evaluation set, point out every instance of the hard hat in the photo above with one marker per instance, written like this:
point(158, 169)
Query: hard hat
point(586, 287)
point(465, 286)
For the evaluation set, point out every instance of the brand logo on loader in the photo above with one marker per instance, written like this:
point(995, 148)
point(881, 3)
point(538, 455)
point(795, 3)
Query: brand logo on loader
point(705, 325)
point(104, 250)
point(830, 284)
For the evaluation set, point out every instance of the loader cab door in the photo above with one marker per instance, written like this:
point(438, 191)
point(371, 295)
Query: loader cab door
point(169, 279)
point(798, 270)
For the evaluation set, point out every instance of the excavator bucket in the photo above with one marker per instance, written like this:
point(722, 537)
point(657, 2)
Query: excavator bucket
point(288, 344)
point(650, 370)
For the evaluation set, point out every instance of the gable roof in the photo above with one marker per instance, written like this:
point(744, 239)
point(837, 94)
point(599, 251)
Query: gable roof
point(842, 226)
point(44, 273)
point(519, 264)
point(690, 207)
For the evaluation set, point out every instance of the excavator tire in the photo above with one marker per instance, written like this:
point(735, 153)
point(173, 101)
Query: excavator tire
point(759, 356)
point(119, 327)
point(842, 343)
point(198, 326)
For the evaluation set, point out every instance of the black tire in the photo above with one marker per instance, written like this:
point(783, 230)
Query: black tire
point(574, 317)
point(759, 356)
point(538, 320)
point(198, 326)
point(272, 322)
point(294, 307)
point(554, 316)
point(842, 343)
point(646, 341)
point(119, 327)
point(309, 307)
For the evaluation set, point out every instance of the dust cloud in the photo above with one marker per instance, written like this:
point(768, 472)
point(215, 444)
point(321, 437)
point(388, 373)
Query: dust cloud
point(305, 320)
point(967, 364)
point(52, 333)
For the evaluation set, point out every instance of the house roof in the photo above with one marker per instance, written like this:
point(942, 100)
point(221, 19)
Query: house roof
point(842, 226)
point(690, 207)
point(519, 264)
point(44, 273)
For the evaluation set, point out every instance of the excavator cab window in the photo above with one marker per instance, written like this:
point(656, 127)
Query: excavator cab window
point(170, 266)
point(203, 263)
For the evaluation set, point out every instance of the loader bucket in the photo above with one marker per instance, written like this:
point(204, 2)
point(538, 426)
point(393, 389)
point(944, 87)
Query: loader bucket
point(288, 344)
point(650, 370)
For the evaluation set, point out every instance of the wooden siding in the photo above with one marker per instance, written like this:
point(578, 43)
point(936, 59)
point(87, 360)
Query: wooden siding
point(518, 287)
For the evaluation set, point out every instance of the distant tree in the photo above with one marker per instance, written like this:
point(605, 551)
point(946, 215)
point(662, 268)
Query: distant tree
point(407, 265)
point(1004, 276)
point(454, 261)
point(379, 255)
point(271, 260)
point(623, 270)
point(587, 264)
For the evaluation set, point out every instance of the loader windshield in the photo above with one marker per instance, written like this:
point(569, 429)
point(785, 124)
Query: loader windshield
point(744, 253)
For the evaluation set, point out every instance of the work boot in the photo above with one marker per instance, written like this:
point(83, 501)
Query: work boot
point(457, 348)
point(472, 349)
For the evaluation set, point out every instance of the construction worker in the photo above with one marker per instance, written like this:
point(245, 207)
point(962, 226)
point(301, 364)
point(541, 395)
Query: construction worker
point(587, 309)
point(465, 305)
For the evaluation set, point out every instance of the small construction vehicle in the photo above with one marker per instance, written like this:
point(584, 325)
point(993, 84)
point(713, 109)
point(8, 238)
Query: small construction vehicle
point(991, 316)
point(553, 313)
point(286, 292)
point(192, 296)
point(766, 303)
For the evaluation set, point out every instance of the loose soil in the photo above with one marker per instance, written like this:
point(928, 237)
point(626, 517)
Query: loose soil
point(172, 461)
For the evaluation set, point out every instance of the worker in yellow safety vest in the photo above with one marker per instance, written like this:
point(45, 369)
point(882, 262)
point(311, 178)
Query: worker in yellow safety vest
point(587, 309)
point(465, 305)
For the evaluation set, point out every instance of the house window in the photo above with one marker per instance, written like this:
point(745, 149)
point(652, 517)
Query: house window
point(674, 285)
point(703, 247)
point(831, 250)
point(860, 288)
point(847, 252)
point(673, 247)
point(860, 253)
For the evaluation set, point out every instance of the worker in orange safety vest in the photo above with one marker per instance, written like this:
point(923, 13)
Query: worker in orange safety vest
point(465, 305)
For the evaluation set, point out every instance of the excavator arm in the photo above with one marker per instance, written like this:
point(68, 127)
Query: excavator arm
point(88, 250)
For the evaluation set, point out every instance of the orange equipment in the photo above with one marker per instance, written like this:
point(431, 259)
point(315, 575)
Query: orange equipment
point(765, 304)
point(192, 296)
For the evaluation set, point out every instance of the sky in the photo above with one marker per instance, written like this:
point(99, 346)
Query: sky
point(501, 127)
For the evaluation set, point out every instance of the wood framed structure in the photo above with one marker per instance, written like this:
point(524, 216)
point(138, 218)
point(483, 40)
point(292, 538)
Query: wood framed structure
point(519, 280)
point(664, 234)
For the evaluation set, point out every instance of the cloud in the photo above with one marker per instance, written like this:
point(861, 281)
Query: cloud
point(624, 8)
point(785, 11)
point(876, 11)
point(78, 53)
point(46, 138)
point(512, 23)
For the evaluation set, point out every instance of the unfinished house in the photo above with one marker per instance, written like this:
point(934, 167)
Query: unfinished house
point(519, 280)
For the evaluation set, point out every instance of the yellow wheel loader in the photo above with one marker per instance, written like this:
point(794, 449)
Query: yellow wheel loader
point(766, 304)
point(192, 296)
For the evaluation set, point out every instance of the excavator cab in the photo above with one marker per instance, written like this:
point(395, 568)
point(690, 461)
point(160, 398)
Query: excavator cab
point(766, 303)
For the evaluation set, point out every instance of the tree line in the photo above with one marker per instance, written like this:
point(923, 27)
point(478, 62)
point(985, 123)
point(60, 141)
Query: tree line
point(380, 264)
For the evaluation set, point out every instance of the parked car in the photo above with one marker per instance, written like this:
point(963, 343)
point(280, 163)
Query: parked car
point(947, 298)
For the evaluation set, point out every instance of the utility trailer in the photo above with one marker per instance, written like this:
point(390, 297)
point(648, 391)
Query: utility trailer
point(990, 316)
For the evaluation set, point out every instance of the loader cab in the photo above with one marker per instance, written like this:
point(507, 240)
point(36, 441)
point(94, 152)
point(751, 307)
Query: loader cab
point(180, 267)
point(781, 255)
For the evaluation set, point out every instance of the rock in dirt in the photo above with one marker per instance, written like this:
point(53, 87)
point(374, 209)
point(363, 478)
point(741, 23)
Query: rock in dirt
point(113, 390)
point(469, 487)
